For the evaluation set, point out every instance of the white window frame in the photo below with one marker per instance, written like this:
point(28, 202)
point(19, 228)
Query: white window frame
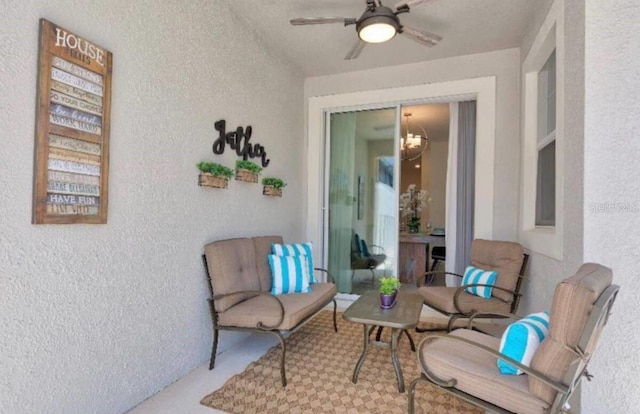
point(545, 240)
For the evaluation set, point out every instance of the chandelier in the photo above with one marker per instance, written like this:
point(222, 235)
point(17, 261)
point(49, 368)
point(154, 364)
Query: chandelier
point(413, 144)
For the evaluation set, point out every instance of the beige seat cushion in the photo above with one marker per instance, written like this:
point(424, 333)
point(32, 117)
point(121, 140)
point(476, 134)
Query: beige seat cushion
point(572, 303)
point(504, 257)
point(297, 306)
point(232, 268)
point(477, 374)
point(262, 246)
point(442, 299)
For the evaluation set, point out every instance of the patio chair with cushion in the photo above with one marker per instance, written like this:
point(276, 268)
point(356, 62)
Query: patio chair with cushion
point(465, 362)
point(362, 258)
point(506, 259)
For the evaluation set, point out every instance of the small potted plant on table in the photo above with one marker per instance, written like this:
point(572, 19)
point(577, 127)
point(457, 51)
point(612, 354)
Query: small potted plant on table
point(213, 175)
point(247, 171)
point(388, 290)
point(272, 186)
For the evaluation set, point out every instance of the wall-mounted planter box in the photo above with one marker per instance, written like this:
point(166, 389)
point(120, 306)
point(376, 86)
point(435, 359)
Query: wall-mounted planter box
point(246, 175)
point(270, 190)
point(209, 180)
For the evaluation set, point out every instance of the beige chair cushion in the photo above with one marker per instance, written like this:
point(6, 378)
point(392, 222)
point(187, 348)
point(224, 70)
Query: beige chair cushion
point(572, 302)
point(442, 299)
point(477, 374)
point(232, 268)
point(297, 307)
point(262, 247)
point(503, 257)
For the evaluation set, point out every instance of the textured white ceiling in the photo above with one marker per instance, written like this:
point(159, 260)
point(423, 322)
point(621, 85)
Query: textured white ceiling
point(467, 27)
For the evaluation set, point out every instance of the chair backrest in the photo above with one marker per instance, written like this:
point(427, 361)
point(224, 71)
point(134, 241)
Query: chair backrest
point(356, 249)
point(579, 311)
point(262, 246)
point(231, 267)
point(364, 248)
point(506, 258)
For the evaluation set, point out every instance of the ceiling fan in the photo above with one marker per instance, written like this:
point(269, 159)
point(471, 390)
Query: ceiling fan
point(377, 24)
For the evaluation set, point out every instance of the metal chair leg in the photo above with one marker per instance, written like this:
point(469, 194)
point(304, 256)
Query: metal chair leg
point(434, 265)
point(283, 376)
point(214, 349)
point(335, 310)
point(379, 333)
point(412, 389)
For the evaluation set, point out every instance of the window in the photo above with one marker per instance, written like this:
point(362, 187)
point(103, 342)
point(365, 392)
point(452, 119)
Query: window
point(541, 204)
point(546, 145)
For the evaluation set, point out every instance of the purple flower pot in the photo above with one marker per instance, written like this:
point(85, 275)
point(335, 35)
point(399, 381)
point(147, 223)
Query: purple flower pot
point(387, 301)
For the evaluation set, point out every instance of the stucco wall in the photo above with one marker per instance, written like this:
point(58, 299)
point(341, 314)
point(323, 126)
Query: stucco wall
point(544, 273)
point(612, 194)
point(95, 318)
point(504, 65)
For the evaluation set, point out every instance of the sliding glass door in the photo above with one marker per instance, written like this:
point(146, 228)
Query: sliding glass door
point(360, 197)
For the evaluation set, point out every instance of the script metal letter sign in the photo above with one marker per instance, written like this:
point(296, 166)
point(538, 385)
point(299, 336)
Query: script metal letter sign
point(72, 129)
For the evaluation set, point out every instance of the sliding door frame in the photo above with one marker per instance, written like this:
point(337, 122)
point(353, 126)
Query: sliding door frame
point(483, 90)
point(326, 167)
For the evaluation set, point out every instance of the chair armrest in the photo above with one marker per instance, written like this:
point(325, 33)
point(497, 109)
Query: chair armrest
point(423, 278)
point(329, 277)
point(474, 315)
point(259, 325)
point(378, 247)
point(463, 287)
point(558, 386)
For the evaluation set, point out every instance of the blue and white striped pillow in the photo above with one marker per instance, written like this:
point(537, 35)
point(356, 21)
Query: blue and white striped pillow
point(521, 339)
point(299, 249)
point(290, 274)
point(473, 275)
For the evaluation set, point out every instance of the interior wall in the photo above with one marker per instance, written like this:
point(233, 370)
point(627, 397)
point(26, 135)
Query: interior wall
point(504, 65)
point(438, 185)
point(96, 318)
point(611, 201)
point(375, 149)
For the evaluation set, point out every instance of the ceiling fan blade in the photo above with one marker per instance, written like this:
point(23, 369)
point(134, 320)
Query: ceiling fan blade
point(355, 50)
point(301, 21)
point(409, 4)
point(420, 36)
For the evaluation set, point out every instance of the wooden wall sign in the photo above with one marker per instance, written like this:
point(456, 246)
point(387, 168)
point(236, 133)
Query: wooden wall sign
point(72, 129)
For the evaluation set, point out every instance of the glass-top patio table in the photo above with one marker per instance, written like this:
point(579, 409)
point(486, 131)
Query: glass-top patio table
point(402, 317)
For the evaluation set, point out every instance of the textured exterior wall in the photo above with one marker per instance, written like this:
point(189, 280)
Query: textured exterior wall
point(95, 318)
point(544, 273)
point(504, 65)
point(612, 194)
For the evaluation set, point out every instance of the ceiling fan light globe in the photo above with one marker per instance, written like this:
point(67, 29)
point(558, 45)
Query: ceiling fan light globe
point(377, 26)
point(379, 32)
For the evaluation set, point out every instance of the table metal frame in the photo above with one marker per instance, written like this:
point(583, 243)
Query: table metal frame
point(401, 318)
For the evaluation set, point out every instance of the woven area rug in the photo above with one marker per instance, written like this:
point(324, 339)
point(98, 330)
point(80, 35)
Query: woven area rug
point(319, 366)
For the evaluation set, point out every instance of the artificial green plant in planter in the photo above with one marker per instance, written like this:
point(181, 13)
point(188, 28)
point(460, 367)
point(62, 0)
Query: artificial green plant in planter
point(388, 290)
point(247, 171)
point(272, 186)
point(213, 174)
